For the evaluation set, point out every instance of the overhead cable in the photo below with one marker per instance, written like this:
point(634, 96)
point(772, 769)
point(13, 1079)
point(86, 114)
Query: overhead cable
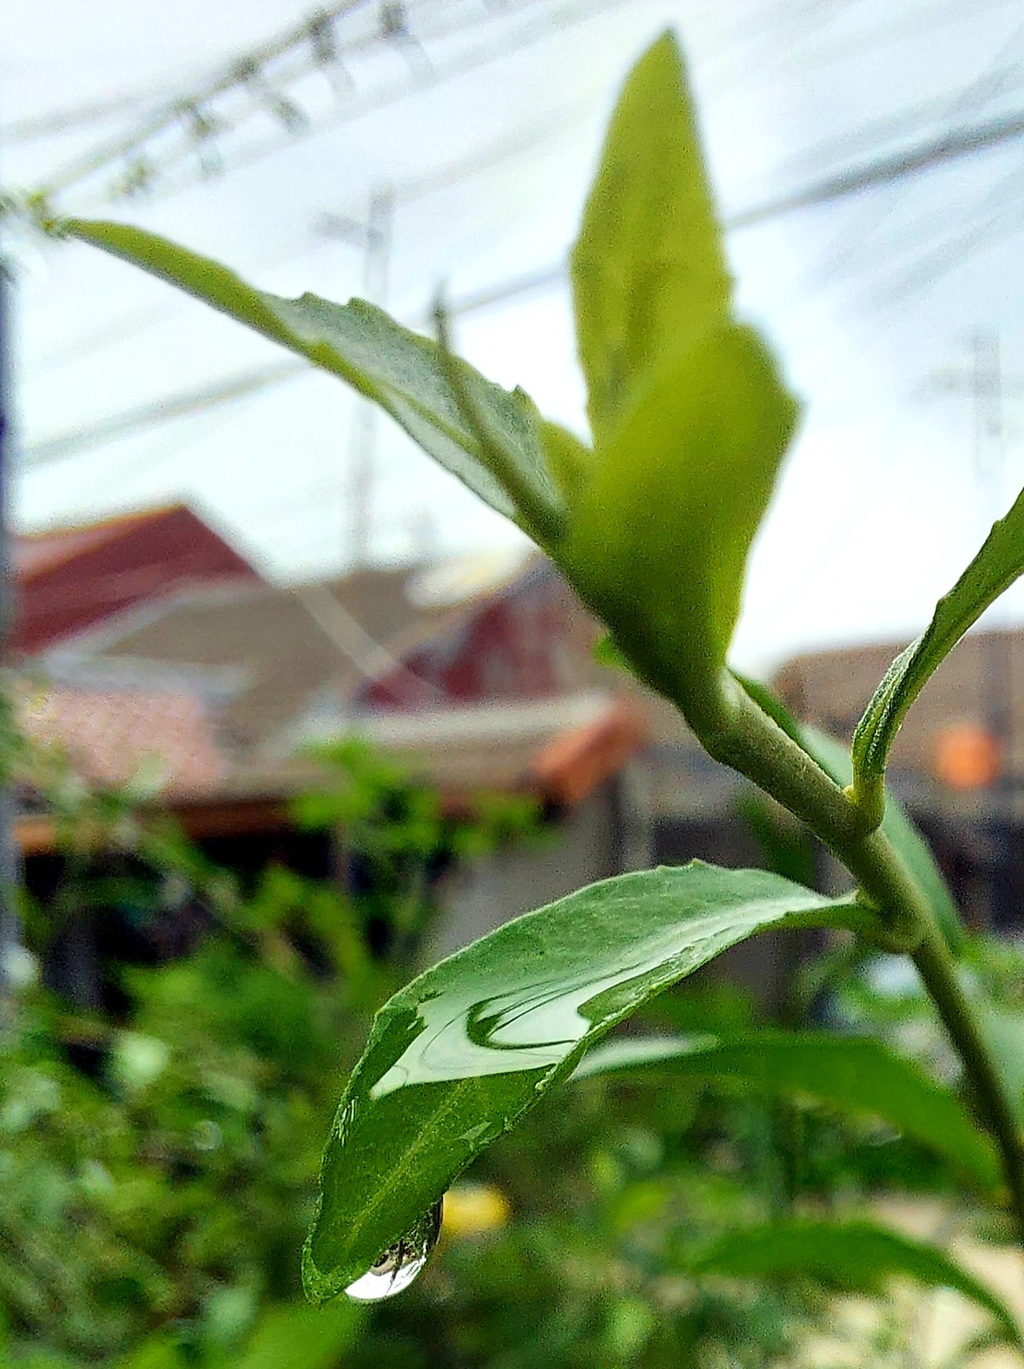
point(140, 168)
point(949, 147)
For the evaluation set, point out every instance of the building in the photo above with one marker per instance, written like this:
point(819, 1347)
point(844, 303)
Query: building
point(957, 763)
point(70, 579)
point(479, 673)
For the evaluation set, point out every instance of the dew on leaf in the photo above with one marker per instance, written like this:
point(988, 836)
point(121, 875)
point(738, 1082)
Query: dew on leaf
point(400, 1264)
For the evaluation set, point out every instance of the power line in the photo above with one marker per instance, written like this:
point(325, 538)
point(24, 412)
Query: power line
point(867, 137)
point(184, 404)
point(990, 82)
point(933, 152)
point(885, 170)
point(194, 121)
point(192, 402)
point(947, 147)
point(425, 185)
point(75, 117)
point(412, 190)
point(955, 250)
point(507, 148)
point(405, 194)
point(157, 454)
point(840, 185)
point(125, 329)
point(195, 402)
point(426, 78)
point(371, 659)
point(169, 115)
point(429, 184)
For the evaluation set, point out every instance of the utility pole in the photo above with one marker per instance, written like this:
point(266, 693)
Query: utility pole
point(987, 387)
point(9, 926)
point(374, 236)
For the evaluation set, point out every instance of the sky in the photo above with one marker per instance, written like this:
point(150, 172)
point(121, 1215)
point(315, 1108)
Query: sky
point(484, 130)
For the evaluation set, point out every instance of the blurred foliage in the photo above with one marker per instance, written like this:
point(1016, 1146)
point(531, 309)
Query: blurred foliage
point(159, 1141)
point(159, 1148)
point(889, 996)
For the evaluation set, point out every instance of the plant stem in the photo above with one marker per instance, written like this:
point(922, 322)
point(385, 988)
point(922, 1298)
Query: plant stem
point(882, 874)
point(745, 738)
point(936, 969)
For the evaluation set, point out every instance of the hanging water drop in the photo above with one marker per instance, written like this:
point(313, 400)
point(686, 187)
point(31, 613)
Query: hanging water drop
point(400, 1264)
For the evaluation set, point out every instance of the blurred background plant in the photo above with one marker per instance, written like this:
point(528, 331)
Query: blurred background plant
point(158, 1149)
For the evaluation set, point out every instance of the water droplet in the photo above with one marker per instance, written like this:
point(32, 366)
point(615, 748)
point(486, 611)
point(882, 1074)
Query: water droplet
point(206, 1135)
point(399, 1265)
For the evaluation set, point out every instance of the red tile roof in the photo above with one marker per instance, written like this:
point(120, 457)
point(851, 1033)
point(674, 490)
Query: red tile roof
point(71, 579)
point(110, 738)
point(580, 758)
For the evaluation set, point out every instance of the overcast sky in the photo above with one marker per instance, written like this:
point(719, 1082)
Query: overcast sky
point(487, 133)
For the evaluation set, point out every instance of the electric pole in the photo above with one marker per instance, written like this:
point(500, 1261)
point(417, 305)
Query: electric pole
point(9, 925)
point(987, 387)
point(374, 237)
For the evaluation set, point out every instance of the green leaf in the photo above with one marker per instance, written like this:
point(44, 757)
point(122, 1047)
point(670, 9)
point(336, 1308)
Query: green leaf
point(291, 1336)
point(649, 275)
point(854, 1255)
point(401, 371)
point(297, 1337)
point(1003, 1031)
point(458, 1056)
point(999, 562)
point(786, 846)
point(847, 1072)
point(569, 460)
point(906, 840)
point(156, 1352)
point(659, 539)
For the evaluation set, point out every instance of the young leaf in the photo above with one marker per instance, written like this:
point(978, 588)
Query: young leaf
point(648, 272)
point(402, 372)
point(464, 1051)
point(850, 1073)
point(570, 461)
point(906, 840)
point(658, 541)
point(999, 562)
point(857, 1256)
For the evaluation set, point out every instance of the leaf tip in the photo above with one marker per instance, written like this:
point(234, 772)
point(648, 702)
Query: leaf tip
point(317, 1287)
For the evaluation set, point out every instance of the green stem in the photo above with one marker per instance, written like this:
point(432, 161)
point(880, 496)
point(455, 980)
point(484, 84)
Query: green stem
point(882, 874)
point(936, 969)
point(744, 737)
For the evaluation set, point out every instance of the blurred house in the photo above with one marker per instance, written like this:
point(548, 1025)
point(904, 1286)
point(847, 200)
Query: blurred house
point(957, 763)
point(184, 671)
point(71, 579)
point(478, 674)
point(162, 742)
